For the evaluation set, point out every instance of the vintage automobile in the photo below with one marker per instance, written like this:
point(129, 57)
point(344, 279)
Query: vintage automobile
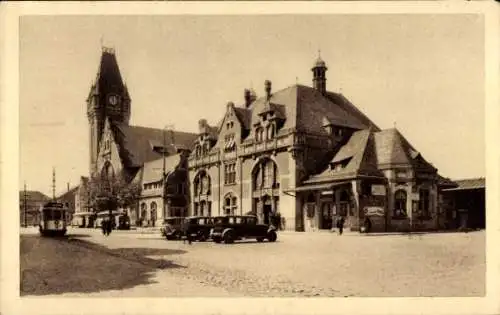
point(172, 228)
point(237, 227)
point(198, 227)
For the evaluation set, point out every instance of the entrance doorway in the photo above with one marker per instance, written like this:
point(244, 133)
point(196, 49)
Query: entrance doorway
point(326, 216)
point(267, 213)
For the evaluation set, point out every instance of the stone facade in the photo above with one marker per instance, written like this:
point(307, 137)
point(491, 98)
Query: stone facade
point(302, 152)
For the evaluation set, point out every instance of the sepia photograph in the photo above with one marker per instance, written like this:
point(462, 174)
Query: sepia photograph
point(246, 155)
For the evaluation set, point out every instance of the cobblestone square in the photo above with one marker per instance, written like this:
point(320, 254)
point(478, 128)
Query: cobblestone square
point(131, 263)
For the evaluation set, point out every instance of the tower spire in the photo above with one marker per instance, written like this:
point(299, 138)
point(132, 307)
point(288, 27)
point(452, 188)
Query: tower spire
point(319, 74)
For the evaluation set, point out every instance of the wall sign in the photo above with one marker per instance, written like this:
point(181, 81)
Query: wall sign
point(374, 211)
point(378, 190)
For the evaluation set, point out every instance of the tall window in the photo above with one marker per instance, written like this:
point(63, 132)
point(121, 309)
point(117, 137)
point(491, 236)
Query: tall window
point(424, 202)
point(201, 184)
point(229, 143)
point(270, 131)
point(400, 203)
point(230, 173)
point(153, 211)
point(203, 206)
point(259, 134)
point(196, 205)
point(144, 209)
point(266, 175)
point(230, 205)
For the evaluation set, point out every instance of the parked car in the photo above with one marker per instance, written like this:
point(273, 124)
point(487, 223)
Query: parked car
point(237, 227)
point(198, 227)
point(172, 228)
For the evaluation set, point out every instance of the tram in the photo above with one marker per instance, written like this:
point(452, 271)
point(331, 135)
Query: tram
point(53, 220)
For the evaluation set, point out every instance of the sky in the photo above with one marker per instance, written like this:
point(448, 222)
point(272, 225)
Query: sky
point(422, 73)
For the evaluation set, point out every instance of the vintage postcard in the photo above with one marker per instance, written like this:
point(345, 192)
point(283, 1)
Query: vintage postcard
point(249, 158)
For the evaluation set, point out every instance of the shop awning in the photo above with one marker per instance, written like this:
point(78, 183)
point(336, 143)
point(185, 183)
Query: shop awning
point(324, 186)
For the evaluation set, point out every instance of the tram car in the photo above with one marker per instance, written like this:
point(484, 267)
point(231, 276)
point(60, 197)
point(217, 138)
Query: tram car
point(53, 219)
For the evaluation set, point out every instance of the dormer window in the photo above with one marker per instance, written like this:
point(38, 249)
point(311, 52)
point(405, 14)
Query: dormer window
point(270, 131)
point(339, 165)
point(259, 134)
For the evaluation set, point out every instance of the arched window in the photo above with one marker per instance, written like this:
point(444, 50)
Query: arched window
point(144, 209)
point(400, 203)
point(230, 204)
point(266, 175)
point(153, 210)
point(201, 184)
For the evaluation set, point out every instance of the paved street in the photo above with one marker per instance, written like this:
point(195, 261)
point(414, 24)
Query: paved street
point(130, 263)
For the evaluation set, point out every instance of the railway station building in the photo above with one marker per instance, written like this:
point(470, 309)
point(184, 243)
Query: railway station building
point(303, 152)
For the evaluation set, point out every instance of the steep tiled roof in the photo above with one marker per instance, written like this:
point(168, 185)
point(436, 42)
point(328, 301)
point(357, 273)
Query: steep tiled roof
point(345, 104)
point(393, 149)
point(244, 115)
point(367, 151)
point(303, 107)
point(471, 183)
point(136, 144)
point(153, 170)
point(356, 157)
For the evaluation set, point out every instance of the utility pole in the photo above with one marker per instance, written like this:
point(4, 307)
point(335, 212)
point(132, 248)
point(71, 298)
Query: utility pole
point(25, 206)
point(170, 127)
point(54, 184)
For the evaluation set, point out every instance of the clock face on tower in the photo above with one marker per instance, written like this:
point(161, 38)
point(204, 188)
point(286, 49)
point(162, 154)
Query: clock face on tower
point(113, 99)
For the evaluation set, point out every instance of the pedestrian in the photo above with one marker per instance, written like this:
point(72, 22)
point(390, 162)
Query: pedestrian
point(340, 225)
point(103, 227)
point(109, 227)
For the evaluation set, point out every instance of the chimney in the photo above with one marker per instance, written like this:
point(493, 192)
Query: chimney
point(248, 98)
point(267, 84)
point(68, 185)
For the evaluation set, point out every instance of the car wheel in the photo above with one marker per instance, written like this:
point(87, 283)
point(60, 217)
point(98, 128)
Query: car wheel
point(217, 240)
point(260, 239)
point(228, 238)
point(271, 236)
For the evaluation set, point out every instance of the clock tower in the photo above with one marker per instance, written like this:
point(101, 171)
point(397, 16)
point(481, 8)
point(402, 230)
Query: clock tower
point(108, 99)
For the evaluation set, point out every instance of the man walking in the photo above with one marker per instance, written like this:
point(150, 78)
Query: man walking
point(340, 225)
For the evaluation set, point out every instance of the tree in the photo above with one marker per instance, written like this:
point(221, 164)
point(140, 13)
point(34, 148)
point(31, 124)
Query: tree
point(112, 193)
